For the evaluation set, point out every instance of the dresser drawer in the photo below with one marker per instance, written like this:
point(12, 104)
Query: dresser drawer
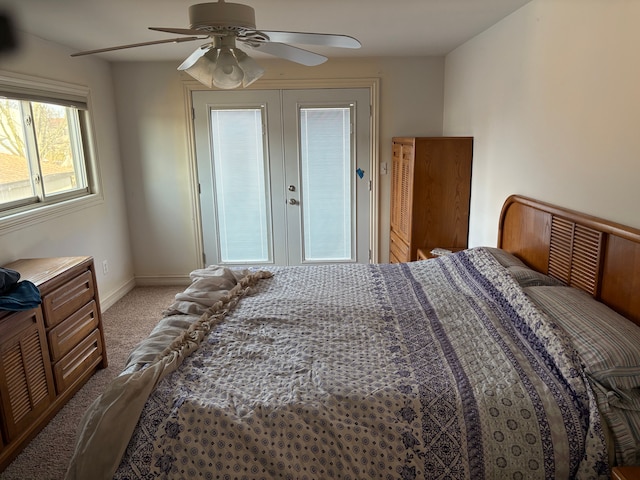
point(399, 249)
point(71, 331)
point(68, 298)
point(83, 358)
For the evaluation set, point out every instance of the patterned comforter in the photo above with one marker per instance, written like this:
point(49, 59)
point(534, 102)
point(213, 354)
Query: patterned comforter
point(434, 369)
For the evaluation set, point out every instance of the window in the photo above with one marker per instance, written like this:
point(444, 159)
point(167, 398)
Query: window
point(45, 147)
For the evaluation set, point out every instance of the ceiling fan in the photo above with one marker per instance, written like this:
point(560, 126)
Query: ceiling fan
point(219, 63)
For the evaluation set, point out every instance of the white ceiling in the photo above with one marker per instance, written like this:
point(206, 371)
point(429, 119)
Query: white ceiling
point(384, 27)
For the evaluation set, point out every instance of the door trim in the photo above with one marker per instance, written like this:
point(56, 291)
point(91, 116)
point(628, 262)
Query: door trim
point(373, 84)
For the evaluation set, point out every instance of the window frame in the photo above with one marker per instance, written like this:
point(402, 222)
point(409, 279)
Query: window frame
point(34, 89)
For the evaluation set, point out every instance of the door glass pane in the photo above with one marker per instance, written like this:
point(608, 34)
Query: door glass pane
point(239, 167)
point(327, 199)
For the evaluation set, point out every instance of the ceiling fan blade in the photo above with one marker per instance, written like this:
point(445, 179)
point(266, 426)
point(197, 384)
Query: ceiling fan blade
point(194, 57)
point(132, 45)
point(184, 31)
point(291, 53)
point(322, 39)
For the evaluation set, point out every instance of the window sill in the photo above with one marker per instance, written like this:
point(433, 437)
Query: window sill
point(45, 213)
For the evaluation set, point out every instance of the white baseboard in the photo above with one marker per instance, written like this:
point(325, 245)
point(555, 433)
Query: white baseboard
point(113, 297)
point(162, 281)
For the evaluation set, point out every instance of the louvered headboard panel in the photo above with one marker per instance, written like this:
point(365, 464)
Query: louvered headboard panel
point(595, 255)
point(575, 253)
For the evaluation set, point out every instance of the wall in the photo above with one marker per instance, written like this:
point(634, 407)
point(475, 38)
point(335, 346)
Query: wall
point(153, 133)
point(101, 230)
point(551, 96)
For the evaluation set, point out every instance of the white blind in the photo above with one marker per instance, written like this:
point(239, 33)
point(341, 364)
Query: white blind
point(239, 167)
point(327, 186)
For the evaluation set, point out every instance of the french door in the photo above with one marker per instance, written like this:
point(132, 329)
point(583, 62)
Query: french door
point(284, 175)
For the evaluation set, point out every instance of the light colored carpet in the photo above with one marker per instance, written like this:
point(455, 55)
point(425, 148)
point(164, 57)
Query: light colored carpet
point(126, 323)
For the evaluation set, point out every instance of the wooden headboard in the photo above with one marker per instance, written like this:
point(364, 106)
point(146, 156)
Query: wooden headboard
point(595, 255)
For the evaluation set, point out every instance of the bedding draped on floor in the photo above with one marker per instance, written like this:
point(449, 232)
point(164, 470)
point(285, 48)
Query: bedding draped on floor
point(434, 369)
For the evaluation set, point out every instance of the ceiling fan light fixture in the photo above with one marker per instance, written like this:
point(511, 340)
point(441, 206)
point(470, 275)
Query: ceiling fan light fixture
point(202, 69)
point(227, 73)
point(194, 57)
point(252, 71)
point(222, 67)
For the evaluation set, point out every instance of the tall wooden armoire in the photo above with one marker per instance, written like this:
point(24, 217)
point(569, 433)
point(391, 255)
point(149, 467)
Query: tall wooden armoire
point(430, 194)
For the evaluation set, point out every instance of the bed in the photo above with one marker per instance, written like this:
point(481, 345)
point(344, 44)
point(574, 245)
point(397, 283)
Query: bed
point(521, 361)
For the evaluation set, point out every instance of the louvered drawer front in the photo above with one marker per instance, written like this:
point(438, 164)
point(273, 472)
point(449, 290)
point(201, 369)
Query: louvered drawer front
point(69, 333)
point(26, 384)
point(78, 361)
point(399, 249)
point(68, 298)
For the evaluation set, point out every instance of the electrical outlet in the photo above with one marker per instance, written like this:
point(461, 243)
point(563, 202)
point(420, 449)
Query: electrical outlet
point(105, 267)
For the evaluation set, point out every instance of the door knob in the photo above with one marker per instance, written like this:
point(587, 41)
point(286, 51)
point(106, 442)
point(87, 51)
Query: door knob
point(293, 201)
point(292, 188)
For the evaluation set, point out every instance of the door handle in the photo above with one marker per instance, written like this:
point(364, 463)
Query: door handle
point(293, 201)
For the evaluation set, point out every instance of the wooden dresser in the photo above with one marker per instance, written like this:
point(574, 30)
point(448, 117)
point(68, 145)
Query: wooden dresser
point(430, 194)
point(49, 352)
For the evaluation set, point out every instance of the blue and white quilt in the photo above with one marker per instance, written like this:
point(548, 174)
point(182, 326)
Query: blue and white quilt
point(433, 369)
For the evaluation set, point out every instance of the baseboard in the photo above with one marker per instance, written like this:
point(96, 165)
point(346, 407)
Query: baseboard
point(162, 280)
point(113, 297)
point(156, 281)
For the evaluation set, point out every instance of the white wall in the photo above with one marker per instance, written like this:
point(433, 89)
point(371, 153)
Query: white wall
point(153, 133)
point(551, 96)
point(100, 231)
